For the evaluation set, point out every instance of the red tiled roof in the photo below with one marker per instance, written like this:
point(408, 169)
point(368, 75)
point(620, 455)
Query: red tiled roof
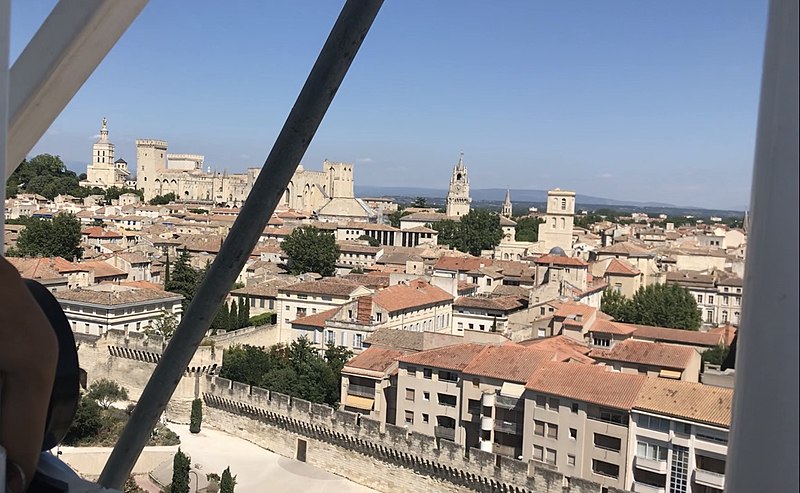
point(609, 327)
point(330, 286)
point(461, 263)
point(416, 293)
point(727, 331)
point(664, 334)
point(694, 401)
point(448, 358)
point(502, 303)
point(317, 319)
point(560, 260)
point(374, 359)
point(647, 353)
point(587, 383)
point(565, 348)
point(620, 268)
point(509, 362)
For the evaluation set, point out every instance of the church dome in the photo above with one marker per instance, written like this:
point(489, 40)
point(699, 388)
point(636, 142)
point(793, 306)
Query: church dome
point(557, 252)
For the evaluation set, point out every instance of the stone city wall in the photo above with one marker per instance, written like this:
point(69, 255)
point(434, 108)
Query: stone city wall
point(354, 447)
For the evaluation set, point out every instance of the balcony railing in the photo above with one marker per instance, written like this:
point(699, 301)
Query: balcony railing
point(648, 488)
point(504, 402)
point(444, 432)
point(361, 390)
point(652, 465)
point(709, 478)
point(508, 427)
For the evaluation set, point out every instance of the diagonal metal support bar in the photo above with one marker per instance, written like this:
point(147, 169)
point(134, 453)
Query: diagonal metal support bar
point(305, 117)
point(63, 53)
point(5, 31)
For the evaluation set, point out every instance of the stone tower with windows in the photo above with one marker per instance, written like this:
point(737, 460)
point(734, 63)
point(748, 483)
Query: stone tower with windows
point(556, 231)
point(508, 210)
point(458, 198)
point(104, 172)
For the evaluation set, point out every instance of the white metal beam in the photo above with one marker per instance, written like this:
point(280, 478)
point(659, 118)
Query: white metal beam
point(63, 53)
point(5, 28)
point(763, 454)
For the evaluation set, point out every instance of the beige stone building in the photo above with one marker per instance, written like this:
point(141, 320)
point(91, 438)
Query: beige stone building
point(104, 172)
point(458, 199)
point(556, 231)
point(718, 294)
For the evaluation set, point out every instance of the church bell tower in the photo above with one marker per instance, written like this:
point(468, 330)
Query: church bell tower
point(458, 198)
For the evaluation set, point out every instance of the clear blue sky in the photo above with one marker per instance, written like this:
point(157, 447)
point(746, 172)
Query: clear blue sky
point(647, 101)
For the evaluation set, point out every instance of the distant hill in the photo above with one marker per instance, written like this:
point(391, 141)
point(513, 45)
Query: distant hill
point(496, 194)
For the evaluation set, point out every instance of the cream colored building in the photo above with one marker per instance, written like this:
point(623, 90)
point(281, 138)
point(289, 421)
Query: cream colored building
point(556, 231)
point(96, 309)
point(104, 172)
point(458, 199)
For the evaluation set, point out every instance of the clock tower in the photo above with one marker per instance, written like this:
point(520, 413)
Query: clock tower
point(458, 199)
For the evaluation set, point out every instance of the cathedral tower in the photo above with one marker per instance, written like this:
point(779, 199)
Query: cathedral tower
point(556, 231)
point(508, 210)
point(458, 198)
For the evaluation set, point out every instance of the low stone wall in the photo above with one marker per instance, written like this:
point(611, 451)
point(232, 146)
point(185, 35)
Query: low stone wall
point(88, 462)
point(263, 335)
point(354, 447)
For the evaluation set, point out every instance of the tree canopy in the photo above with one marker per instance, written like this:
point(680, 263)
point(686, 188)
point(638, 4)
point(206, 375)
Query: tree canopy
point(528, 229)
point(228, 482)
point(181, 464)
point(394, 217)
point(311, 249)
point(297, 369)
point(660, 305)
point(106, 392)
point(163, 199)
point(478, 230)
point(57, 237)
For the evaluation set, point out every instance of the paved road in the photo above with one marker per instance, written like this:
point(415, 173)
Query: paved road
point(257, 469)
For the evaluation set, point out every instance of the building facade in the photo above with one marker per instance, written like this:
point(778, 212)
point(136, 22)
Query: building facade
point(458, 199)
point(556, 231)
point(104, 172)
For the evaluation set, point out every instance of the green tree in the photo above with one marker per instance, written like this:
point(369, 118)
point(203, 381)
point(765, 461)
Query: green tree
point(106, 392)
point(420, 202)
point(130, 486)
point(166, 271)
point(716, 355)
point(394, 217)
point(311, 250)
point(527, 229)
point(228, 482)
point(448, 232)
point(45, 175)
point(479, 230)
point(183, 278)
point(163, 199)
point(244, 311)
point(86, 424)
point(180, 473)
point(59, 237)
point(262, 319)
point(663, 305)
point(369, 239)
point(233, 317)
point(221, 318)
point(164, 325)
point(616, 305)
point(196, 418)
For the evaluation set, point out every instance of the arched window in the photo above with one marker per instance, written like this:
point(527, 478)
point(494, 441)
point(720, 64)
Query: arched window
point(563, 204)
point(563, 223)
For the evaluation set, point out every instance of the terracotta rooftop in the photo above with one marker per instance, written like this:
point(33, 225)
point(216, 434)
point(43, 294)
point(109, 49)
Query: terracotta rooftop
point(43, 267)
point(678, 336)
point(694, 401)
point(587, 383)
point(98, 232)
point(609, 327)
point(329, 286)
point(397, 339)
point(103, 269)
point(625, 248)
point(317, 319)
point(113, 294)
point(500, 303)
point(371, 280)
point(454, 358)
point(509, 362)
point(375, 359)
point(647, 353)
point(266, 289)
point(620, 268)
point(461, 263)
point(565, 348)
point(416, 293)
point(727, 331)
point(559, 260)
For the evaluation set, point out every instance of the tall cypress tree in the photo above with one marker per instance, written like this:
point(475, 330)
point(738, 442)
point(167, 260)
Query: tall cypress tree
point(228, 482)
point(243, 315)
point(166, 271)
point(234, 317)
point(180, 473)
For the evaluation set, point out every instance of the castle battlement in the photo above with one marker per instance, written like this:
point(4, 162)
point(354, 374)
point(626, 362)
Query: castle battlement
point(151, 143)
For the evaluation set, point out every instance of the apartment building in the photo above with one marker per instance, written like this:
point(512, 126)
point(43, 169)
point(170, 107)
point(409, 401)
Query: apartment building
point(653, 359)
point(262, 297)
point(311, 297)
point(718, 295)
point(369, 384)
point(486, 313)
point(97, 309)
point(414, 306)
point(679, 438)
point(576, 420)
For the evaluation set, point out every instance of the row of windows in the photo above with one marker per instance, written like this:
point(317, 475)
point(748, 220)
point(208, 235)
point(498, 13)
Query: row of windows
point(262, 303)
point(726, 300)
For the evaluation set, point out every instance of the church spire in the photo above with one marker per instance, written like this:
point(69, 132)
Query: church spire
point(507, 208)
